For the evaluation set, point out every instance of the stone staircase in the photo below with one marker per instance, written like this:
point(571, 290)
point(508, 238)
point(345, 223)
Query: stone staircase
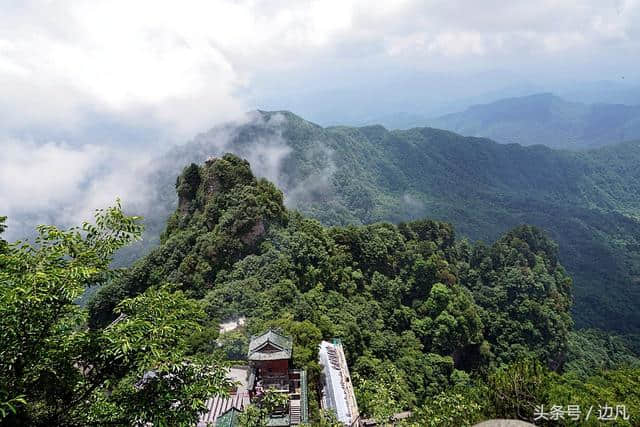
point(294, 412)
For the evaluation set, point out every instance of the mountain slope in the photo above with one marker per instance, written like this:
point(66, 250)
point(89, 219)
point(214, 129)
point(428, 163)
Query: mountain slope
point(546, 119)
point(588, 201)
point(410, 302)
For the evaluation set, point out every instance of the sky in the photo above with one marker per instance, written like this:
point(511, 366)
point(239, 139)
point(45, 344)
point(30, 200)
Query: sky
point(90, 90)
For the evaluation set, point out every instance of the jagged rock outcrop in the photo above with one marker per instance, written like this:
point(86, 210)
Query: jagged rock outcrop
point(223, 213)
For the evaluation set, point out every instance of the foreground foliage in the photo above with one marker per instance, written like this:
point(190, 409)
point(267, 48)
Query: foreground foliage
point(525, 389)
point(55, 371)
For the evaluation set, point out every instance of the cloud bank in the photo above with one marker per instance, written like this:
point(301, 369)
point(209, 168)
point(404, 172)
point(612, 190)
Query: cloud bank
point(177, 68)
point(55, 183)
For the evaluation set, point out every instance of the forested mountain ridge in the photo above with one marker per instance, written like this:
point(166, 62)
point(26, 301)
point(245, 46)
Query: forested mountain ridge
point(546, 119)
point(408, 298)
point(587, 201)
point(452, 331)
point(425, 318)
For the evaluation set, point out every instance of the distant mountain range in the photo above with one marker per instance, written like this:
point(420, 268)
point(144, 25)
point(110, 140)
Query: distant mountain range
point(542, 118)
point(588, 201)
point(402, 100)
point(546, 119)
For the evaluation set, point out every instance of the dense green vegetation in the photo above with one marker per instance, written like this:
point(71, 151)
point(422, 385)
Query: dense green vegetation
point(545, 119)
point(591, 350)
point(517, 391)
point(426, 319)
point(454, 331)
point(56, 372)
point(588, 202)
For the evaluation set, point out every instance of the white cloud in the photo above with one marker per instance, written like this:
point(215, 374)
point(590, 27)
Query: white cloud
point(134, 60)
point(55, 183)
point(516, 31)
point(265, 153)
point(178, 66)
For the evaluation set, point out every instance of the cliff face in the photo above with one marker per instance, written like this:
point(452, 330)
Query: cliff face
point(223, 196)
point(223, 214)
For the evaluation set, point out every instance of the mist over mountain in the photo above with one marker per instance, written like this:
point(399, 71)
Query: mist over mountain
point(546, 119)
point(587, 201)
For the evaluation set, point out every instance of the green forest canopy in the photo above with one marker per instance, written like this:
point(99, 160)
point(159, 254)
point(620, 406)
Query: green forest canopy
point(588, 202)
point(420, 313)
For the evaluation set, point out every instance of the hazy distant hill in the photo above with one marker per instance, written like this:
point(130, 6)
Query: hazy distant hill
point(546, 119)
point(588, 201)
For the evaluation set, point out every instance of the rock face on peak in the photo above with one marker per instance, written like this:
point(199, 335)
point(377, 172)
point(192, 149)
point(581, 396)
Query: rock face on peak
point(223, 213)
point(223, 196)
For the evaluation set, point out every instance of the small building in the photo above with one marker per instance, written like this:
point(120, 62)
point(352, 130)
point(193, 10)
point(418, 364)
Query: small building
point(270, 367)
point(270, 355)
point(337, 390)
